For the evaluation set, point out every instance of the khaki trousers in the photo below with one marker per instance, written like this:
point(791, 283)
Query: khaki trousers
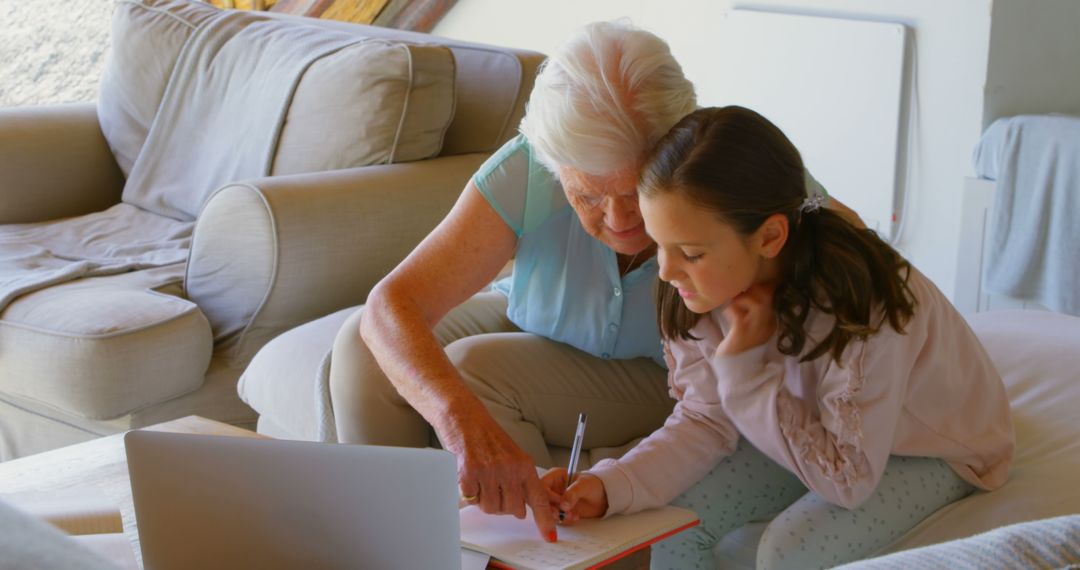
point(533, 386)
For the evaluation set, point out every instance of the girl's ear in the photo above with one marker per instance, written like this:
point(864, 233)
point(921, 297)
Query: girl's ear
point(772, 235)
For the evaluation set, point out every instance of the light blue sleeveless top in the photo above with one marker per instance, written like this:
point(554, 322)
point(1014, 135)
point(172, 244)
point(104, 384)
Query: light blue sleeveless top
point(566, 284)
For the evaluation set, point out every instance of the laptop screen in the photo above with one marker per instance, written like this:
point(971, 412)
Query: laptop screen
point(227, 502)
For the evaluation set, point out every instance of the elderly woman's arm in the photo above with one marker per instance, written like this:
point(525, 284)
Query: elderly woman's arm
point(460, 257)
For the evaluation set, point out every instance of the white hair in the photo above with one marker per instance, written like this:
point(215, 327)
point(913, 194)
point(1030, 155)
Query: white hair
point(604, 98)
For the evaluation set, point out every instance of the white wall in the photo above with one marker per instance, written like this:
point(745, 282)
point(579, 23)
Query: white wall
point(952, 43)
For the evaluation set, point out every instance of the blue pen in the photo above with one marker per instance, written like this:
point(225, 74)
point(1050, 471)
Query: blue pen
point(575, 454)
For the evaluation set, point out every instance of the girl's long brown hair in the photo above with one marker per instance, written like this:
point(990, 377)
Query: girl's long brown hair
point(737, 164)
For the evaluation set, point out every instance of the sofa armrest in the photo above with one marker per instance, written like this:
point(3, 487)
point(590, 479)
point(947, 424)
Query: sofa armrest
point(273, 253)
point(55, 163)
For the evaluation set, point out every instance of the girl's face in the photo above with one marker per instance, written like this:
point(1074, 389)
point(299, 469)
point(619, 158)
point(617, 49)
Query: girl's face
point(608, 207)
point(703, 257)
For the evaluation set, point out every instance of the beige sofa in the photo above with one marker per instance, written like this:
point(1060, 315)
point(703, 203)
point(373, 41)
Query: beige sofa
point(241, 174)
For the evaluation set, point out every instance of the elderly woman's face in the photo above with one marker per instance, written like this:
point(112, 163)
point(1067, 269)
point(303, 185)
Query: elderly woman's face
point(608, 207)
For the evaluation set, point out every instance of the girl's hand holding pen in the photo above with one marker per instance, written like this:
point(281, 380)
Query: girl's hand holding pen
point(585, 499)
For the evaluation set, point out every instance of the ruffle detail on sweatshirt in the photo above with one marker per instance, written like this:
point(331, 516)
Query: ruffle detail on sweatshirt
point(673, 391)
point(839, 456)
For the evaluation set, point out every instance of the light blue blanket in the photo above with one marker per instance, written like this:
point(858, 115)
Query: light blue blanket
point(120, 239)
point(1034, 242)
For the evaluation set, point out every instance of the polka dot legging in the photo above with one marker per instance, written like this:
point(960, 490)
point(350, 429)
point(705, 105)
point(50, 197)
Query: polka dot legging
point(808, 532)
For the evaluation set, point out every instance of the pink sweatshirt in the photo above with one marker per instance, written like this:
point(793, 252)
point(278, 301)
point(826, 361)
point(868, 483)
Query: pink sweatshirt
point(930, 392)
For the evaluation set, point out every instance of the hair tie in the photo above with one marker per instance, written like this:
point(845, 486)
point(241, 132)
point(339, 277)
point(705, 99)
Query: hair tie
point(812, 203)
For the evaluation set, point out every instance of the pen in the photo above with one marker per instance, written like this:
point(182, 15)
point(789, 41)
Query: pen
point(575, 453)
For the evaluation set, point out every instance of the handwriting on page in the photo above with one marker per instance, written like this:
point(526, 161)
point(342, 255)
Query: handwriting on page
point(567, 551)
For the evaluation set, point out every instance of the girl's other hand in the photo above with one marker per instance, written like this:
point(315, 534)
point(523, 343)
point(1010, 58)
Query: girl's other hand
point(752, 320)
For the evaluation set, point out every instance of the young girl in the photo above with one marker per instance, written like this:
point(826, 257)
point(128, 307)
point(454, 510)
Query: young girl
point(845, 371)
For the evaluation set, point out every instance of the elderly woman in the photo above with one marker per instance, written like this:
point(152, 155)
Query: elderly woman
point(501, 374)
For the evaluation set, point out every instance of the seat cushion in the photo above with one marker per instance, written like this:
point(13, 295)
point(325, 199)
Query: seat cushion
point(281, 382)
point(103, 347)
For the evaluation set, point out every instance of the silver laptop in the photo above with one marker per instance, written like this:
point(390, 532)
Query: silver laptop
point(229, 502)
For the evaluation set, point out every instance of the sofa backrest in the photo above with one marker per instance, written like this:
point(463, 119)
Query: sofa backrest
point(146, 42)
point(491, 83)
point(251, 96)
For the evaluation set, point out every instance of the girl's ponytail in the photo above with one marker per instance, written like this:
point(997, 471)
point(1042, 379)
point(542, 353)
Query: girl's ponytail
point(843, 271)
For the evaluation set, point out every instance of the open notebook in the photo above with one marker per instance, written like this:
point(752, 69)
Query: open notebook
point(515, 543)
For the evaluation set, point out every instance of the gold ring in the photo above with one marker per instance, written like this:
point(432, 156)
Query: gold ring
point(469, 498)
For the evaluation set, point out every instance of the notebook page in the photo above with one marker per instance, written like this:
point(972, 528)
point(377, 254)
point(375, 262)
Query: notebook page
point(517, 542)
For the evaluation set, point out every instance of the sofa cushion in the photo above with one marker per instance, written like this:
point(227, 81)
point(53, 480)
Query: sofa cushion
point(102, 347)
point(245, 96)
point(377, 102)
point(282, 381)
point(492, 85)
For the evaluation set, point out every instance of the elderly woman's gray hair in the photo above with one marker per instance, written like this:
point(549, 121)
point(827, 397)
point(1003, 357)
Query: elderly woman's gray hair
point(604, 98)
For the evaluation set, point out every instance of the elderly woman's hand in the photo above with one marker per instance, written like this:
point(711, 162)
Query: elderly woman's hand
point(496, 474)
